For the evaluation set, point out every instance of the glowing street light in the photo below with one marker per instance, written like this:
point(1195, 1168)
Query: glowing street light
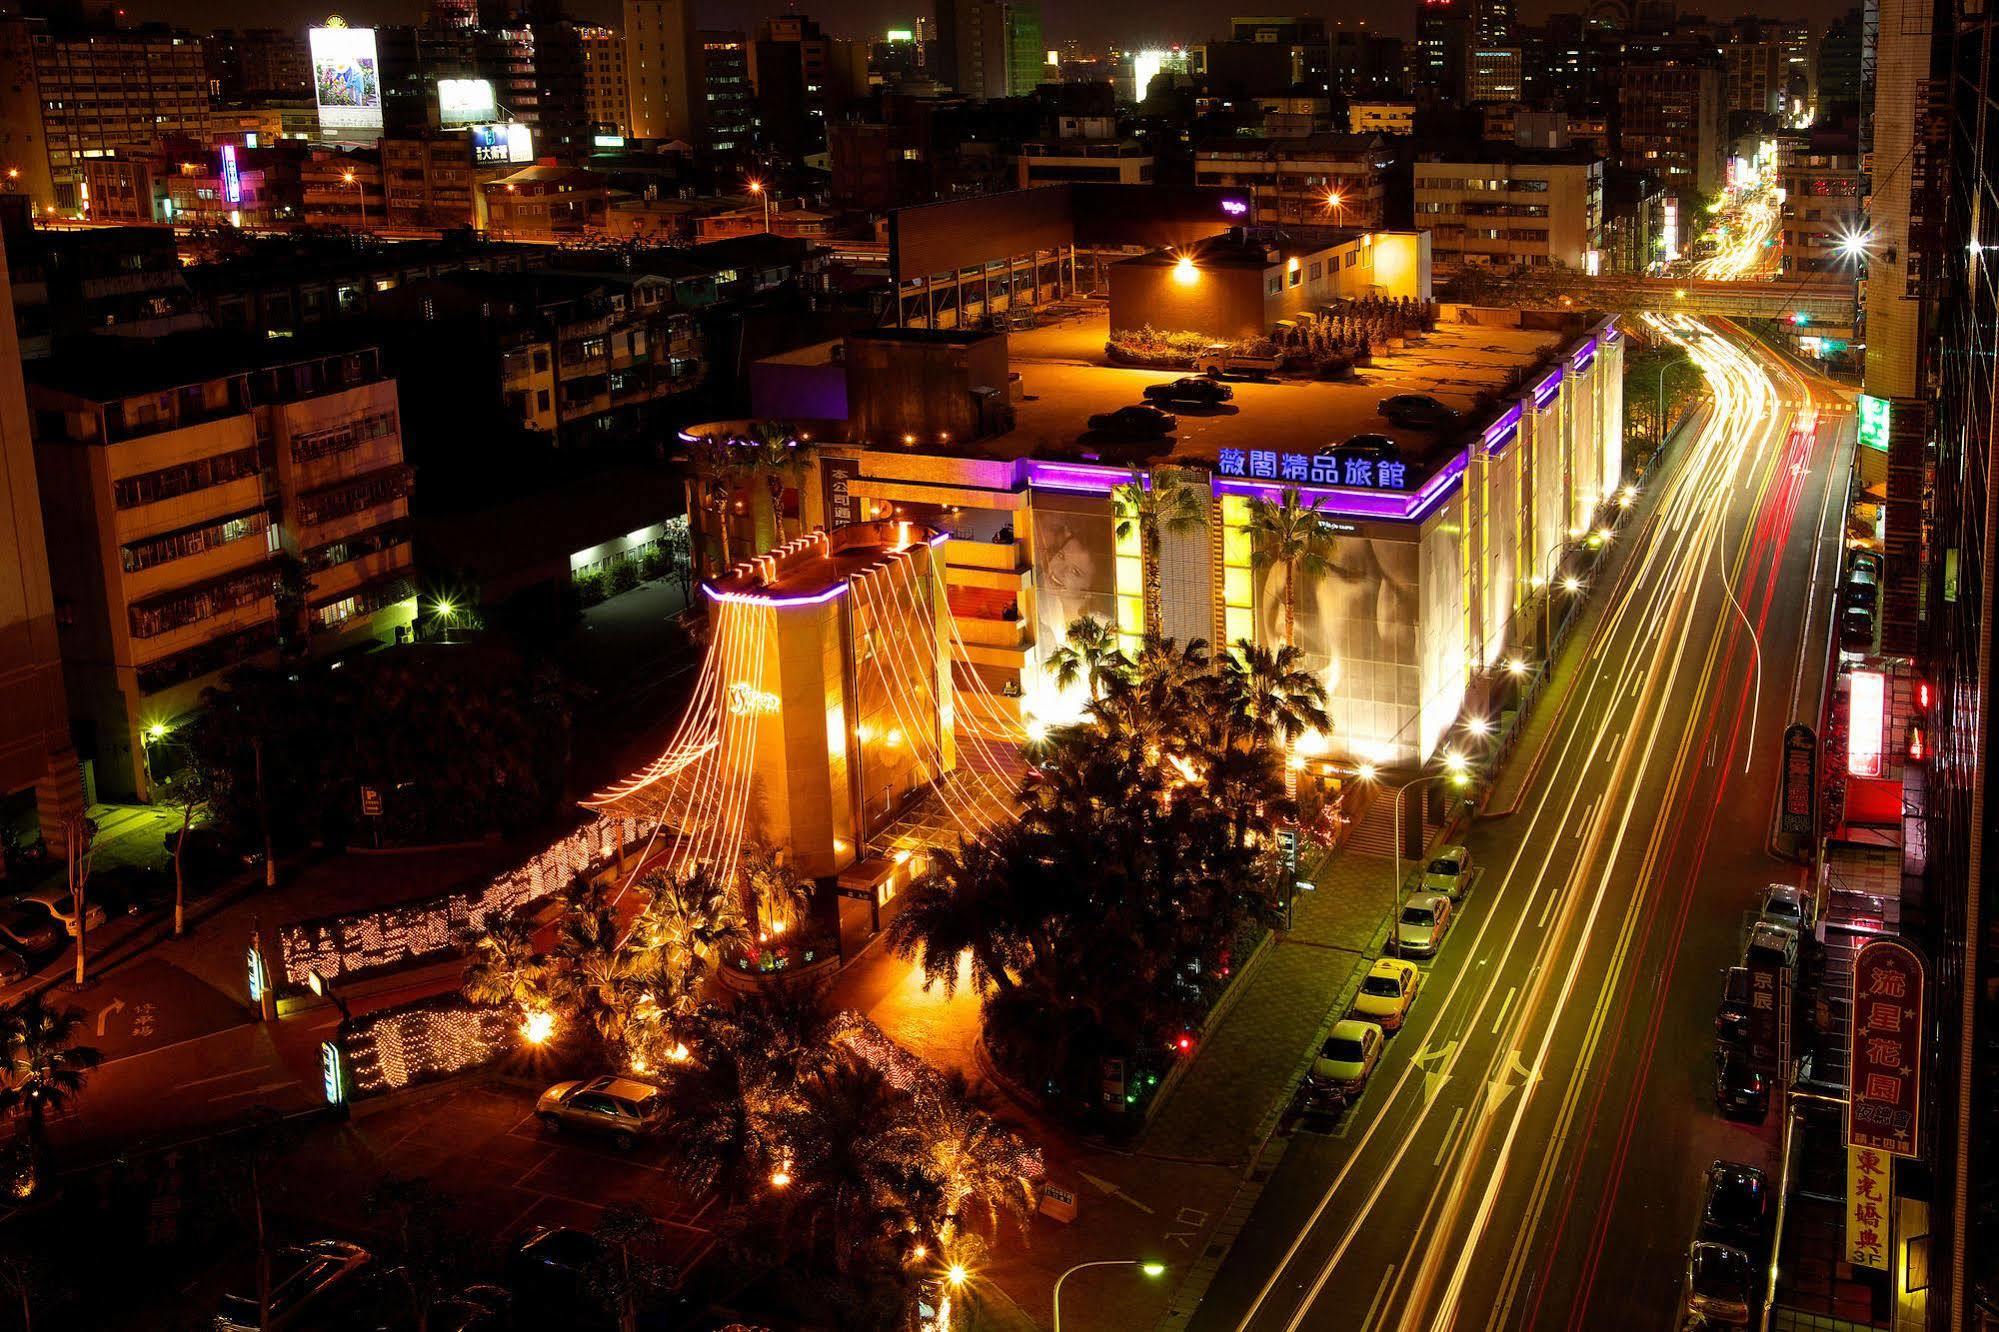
point(956, 1275)
point(1516, 666)
point(1184, 271)
point(757, 188)
point(1854, 244)
point(538, 1027)
point(1572, 584)
point(1150, 1268)
point(1478, 725)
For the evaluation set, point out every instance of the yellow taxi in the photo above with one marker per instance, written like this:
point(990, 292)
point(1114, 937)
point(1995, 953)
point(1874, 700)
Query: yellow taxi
point(1387, 992)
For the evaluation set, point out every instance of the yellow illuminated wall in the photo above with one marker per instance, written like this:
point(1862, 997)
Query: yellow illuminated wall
point(1130, 587)
point(1238, 580)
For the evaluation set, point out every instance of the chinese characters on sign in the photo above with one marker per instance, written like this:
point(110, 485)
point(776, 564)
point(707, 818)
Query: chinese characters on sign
point(1887, 1048)
point(842, 506)
point(1767, 987)
point(1867, 1208)
point(1801, 766)
point(1323, 469)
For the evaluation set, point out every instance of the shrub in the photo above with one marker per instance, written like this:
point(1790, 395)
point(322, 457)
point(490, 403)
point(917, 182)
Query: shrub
point(624, 576)
point(591, 589)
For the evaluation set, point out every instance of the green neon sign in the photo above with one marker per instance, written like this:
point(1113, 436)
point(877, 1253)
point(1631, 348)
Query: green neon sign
point(1875, 415)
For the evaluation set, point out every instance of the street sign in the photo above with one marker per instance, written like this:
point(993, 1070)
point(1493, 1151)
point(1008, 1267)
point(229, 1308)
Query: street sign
point(1801, 776)
point(1884, 1103)
point(332, 1075)
point(1867, 1207)
point(257, 977)
point(371, 801)
point(1057, 1203)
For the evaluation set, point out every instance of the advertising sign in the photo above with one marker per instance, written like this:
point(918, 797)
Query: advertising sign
point(465, 101)
point(346, 77)
point(1768, 980)
point(1867, 1208)
point(842, 506)
point(332, 1076)
point(232, 175)
point(1801, 769)
point(509, 144)
point(1876, 415)
point(1885, 1101)
point(1867, 702)
point(1323, 469)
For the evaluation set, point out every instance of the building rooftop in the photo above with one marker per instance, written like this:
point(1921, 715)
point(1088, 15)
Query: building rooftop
point(817, 567)
point(1511, 155)
point(1237, 248)
point(1066, 379)
point(97, 368)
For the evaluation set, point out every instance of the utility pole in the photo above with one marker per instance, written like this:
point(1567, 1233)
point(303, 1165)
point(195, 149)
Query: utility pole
point(264, 813)
point(79, 835)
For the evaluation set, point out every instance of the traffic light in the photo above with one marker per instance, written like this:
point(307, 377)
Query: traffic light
point(1800, 318)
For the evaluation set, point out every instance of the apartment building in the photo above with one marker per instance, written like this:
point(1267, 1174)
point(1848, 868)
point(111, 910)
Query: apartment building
point(1381, 117)
point(431, 181)
point(662, 70)
point(68, 94)
point(206, 503)
point(605, 92)
point(1823, 197)
point(1512, 207)
point(1320, 179)
point(1085, 148)
point(1675, 122)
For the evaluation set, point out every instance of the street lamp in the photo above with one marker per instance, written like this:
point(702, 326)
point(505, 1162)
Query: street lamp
point(1456, 773)
point(757, 188)
point(360, 192)
point(1547, 585)
point(1148, 1267)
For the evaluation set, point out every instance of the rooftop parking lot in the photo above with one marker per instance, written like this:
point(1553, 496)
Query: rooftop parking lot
point(1066, 378)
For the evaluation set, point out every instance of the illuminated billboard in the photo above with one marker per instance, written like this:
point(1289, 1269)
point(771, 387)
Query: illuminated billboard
point(465, 101)
point(346, 77)
point(507, 144)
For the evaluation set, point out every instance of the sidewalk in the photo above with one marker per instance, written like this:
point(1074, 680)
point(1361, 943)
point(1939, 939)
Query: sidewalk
point(1248, 1063)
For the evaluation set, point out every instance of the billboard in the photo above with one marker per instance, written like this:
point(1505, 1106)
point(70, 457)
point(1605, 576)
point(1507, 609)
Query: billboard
point(465, 101)
point(1884, 1102)
point(346, 78)
point(508, 144)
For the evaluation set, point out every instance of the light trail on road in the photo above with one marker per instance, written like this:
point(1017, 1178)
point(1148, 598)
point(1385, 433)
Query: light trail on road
point(1667, 636)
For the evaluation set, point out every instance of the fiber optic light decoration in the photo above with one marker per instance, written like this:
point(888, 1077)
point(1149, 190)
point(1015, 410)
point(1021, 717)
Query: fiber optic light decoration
point(394, 1048)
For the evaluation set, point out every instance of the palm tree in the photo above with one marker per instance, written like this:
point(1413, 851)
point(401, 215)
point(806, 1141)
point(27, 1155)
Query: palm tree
point(978, 1163)
point(775, 453)
point(773, 894)
point(719, 1136)
point(507, 967)
point(961, 907)
point(1290, 535)
point(629, 1272)
point(45, 1068)
point(1170, 504)
point(1090, 653)
point(590, 968)
point(1273, 692)
point(781, 1034)
point(858, 1170)
point(690, 919)
point(718, 466)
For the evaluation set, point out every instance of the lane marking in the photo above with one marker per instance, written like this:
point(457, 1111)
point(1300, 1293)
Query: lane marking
point(1511, 990)
point(1582, 824)
point(243, 1072)
point(254, 1091)
point(1374, 1305)
point(1554, 894)
point(1449, 1129)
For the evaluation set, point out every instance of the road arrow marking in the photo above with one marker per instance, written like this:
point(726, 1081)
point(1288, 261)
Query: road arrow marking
point(1111, 1190)
point(115, 1006)
point(1497, 1090)
point(1433, 1082)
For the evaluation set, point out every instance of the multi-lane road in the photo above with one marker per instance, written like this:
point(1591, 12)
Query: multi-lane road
point(1529, 1153)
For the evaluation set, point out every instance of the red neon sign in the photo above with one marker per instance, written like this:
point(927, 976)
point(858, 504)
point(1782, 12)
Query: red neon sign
point(1866, 705)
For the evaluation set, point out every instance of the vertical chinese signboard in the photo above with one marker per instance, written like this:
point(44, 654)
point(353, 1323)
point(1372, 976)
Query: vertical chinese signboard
point(1885, 1101)
point(1801, 769)
point(1867, 1207)
point(1767, 982)
point(843, 507)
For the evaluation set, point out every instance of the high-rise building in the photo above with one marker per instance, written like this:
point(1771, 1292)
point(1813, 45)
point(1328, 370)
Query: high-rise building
point(34, 726)
point(1492, 22)
point(1839, 60)
point(1443, 63)
point(987, 48)
point(605, 90)
point(1674, 122)
point(729, 102)
point(800, 75)
point(203, 502)
point(70, 92)
point(1753, 59)
point(1496, 74)
point(1511, 206)
point(1026, 57)
point(662, 69)
point(563, 123)
point(1956, 652)
point(256, 63)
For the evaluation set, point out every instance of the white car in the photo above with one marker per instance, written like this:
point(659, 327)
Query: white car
point(1786, 905)
point(1449, 872)
point(1425, 919)
point(55, 901)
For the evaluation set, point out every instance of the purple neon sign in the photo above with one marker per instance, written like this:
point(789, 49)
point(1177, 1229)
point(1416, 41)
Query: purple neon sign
point(1395, 506)
point(1235, 207)
point(1082, 478)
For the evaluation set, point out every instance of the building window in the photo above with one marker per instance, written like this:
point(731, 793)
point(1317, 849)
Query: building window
point(184, 478)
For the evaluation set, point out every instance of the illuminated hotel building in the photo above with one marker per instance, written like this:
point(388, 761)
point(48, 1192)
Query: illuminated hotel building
point(1440, 561)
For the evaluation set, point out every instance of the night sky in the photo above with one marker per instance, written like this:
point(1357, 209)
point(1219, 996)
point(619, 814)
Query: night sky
point(1156, 22)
